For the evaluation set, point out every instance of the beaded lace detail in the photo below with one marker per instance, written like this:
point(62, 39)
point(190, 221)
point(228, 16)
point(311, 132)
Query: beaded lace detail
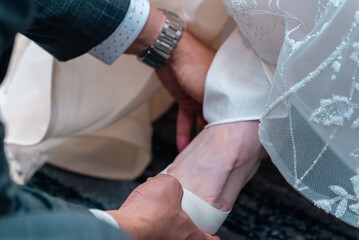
point(264, 35)
point(334, 112)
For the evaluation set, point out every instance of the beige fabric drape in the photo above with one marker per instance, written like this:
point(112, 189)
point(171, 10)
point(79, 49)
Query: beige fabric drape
point(88, 117)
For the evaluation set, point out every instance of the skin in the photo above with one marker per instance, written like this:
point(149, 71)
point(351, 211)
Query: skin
point(217, 163)
point(153, 212)
point(214, 166)
point(183, 75)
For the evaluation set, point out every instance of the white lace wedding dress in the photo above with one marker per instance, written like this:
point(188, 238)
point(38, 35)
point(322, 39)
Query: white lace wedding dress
point(294, 65)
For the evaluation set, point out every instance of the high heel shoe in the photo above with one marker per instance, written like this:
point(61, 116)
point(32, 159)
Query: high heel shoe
point(206, 217)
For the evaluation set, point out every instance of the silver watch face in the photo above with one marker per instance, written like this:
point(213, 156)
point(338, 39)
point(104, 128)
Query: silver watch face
point(161, 49)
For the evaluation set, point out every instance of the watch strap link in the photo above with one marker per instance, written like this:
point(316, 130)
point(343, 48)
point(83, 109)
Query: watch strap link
point(160, 50)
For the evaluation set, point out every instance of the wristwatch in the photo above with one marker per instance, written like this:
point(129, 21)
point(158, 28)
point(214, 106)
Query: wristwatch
point(161, 49)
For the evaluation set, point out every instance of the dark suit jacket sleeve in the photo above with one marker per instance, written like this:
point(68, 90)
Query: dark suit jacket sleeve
point(26, 213)
point(70, 28)
point(57, 226)
point(66, 28)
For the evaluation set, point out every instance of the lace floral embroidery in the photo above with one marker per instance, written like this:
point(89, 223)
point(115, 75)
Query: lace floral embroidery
point(271, 32)
point(343, 198)
point(332, 112)
point(336, 110)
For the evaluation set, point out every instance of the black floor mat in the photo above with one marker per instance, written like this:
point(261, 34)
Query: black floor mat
point(267, 208)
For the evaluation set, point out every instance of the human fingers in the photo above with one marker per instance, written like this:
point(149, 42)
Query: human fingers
point(164, 188)
point(165, 185)
point(198, 234)
point(210, 237)
point(184, 126)
point(200, 121)
point(169, 81)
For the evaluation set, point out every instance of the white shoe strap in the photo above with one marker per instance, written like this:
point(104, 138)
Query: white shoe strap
point(206, 217)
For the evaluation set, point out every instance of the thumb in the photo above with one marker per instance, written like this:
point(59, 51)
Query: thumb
point(210, 237)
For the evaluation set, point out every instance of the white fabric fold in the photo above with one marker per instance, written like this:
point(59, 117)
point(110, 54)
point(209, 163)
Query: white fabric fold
point(310, 122)
point(105, 217)
point(27, 103)
point(237, 87)
point(206, 217)
point(88, 117)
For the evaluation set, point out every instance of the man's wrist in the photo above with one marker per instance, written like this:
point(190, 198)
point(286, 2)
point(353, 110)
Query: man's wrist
point(149, 33)
point(161, 50)
point(180, 49)
point(133, 227)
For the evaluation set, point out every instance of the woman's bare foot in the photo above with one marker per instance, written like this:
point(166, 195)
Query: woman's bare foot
point(218, 162)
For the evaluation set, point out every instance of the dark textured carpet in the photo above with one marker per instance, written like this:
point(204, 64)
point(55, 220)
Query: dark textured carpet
point(267, 208)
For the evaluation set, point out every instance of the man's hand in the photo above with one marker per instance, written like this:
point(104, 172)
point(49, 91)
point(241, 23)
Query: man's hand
point(153, 212)
point(184, 76)
point(188, 67)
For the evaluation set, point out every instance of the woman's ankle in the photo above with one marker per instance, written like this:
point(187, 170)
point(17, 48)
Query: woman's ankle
point(216, 165)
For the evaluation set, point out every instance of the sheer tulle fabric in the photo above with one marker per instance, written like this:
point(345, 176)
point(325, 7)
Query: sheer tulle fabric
point(316, 145)
point(310, 126)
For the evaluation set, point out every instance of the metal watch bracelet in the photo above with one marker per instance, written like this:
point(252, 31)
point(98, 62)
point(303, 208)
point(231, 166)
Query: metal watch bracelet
point(160, 50)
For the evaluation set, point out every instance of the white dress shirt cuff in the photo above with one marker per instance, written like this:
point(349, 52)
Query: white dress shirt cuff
point(105, 217)
point(131, 26)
